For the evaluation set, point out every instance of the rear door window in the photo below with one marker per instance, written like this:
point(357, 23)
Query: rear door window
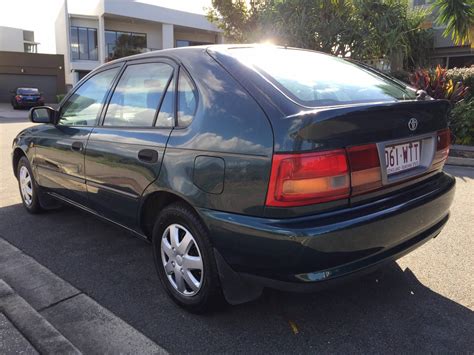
point(317, 79)
point(138, 94)
point(187, 99)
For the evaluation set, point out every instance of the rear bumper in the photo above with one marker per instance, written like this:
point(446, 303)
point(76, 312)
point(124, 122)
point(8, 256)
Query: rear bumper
point(29, 103)
point(299, 253)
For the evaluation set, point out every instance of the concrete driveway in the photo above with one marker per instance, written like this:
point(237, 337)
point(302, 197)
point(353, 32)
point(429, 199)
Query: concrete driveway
point(422, 303)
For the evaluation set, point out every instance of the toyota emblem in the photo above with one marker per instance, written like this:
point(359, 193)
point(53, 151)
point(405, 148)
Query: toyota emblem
point(413, 124)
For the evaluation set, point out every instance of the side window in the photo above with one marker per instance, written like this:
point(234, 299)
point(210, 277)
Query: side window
point(187, 99)
point(83, 106)
point(166, 115)
point(138, 94)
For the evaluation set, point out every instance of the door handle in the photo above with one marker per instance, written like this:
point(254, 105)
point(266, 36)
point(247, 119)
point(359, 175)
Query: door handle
point(77, 146)
point(148, 155)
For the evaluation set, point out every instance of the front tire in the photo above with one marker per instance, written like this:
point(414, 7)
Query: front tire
point(29, 190)
point(184, 259)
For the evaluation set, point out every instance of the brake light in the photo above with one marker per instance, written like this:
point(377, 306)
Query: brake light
point(442, 148)
point(302, 179)
point(308, 178)
point(365, 168)
point(18, 97)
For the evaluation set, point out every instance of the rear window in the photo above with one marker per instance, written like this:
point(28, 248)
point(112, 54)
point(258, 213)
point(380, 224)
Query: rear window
point(317, 79)
point(27, 91)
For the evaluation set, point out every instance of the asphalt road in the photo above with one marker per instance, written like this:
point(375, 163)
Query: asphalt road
point(422, 303)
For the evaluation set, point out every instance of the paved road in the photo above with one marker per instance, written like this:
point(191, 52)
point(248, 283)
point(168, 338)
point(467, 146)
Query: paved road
point(422, 303)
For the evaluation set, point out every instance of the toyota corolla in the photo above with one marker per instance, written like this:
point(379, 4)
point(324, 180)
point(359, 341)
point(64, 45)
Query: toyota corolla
point(245, 166)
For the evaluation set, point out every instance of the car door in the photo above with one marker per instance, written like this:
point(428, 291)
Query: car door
point(60, 148)
point(124, 153)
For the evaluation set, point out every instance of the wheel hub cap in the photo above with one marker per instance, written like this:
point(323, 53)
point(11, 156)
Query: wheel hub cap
point(26, 186)
point(181, 259)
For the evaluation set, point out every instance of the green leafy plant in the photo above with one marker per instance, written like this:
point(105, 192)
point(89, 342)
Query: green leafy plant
point(458, 17)
point(437, 85)
point(462, 122)
point(464, 75)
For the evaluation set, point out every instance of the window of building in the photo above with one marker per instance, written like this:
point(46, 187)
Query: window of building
point(186, 43)
point(121, 44)
point(83, 43)
point(83, 106)
point(138, 94)
point(30, 48)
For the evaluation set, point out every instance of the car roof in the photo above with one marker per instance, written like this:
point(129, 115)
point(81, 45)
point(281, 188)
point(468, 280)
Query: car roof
point(183, 51)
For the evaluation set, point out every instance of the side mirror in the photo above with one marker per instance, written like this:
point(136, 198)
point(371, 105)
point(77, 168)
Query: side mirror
point(43, 114)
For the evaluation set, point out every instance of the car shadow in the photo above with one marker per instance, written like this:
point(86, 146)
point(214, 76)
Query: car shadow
point(389, 310)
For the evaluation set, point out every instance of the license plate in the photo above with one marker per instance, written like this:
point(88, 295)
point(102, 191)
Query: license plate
point(402, 157)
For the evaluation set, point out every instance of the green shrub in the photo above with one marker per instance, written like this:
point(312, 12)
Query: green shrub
point(462, 122)
point(464, 75)
point(60, 97)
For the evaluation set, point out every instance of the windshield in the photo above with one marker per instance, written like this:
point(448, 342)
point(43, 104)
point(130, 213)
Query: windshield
point(27, 91)
point(317, 79)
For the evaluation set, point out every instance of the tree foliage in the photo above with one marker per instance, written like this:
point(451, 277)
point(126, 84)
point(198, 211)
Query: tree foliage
point(358, 29)
point(458, 17)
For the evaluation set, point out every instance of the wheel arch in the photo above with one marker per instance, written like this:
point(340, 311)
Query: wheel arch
point(18, 153)
point(153, 203)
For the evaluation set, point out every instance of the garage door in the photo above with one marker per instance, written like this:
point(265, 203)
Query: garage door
point(45, 83)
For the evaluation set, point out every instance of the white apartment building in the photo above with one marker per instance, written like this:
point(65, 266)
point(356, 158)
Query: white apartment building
point(94, 32)
point(17, 40)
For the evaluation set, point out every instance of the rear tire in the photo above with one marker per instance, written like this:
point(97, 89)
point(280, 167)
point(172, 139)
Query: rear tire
point(29, 189)
point(184, 259)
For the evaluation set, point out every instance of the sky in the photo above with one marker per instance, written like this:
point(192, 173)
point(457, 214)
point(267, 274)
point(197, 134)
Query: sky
point(40, 15)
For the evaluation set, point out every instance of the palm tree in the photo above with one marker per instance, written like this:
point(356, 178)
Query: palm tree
point(458, 17)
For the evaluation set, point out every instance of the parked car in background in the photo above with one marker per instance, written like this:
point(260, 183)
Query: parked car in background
point(245, 166)
point(26, 97)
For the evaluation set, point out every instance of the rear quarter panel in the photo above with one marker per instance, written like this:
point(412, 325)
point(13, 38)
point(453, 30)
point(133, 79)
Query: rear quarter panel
point(228, 125)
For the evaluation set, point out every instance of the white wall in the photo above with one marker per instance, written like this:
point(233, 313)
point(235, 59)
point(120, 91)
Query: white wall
point(155, 12)
point(61, 26)
point(84, 7)
point(11, 39)
point(84, 22)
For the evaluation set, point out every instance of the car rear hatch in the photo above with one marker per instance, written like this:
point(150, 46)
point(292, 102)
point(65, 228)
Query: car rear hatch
point(355, 152)
point(342, 134)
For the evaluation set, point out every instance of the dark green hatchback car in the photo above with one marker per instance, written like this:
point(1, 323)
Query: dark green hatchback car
point(245, 166)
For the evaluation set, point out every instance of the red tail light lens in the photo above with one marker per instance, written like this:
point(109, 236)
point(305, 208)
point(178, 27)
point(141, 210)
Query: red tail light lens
point(442, 148)
point(365, 168)
point(302, 179)
point(18, 97)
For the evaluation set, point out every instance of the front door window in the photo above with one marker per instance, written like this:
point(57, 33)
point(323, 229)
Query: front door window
point(83, 106)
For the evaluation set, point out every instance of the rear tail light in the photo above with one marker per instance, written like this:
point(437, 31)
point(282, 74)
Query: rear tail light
point(18, 97)
point(365, 168)
point(442, 148)
point(302, 179)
